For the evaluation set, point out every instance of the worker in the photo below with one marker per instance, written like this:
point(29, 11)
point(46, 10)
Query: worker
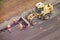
point(14, 21)
point(9, 28)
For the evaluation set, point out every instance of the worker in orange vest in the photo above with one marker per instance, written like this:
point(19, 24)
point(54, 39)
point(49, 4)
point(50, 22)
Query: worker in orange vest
point(14, 21)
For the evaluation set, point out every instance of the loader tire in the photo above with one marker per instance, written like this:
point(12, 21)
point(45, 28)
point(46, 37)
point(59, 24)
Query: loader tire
point(47, 16)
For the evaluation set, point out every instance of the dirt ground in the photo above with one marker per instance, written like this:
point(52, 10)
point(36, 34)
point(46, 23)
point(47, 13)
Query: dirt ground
point(14, 7)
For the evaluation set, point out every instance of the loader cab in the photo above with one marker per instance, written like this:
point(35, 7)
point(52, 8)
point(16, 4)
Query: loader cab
point(39, 7)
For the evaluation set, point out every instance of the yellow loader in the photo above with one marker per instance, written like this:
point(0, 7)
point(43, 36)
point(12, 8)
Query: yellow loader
point(42, 11)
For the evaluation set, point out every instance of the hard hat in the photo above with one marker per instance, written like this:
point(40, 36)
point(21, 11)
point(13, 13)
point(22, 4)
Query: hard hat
point(8, 26)
point(14, 20)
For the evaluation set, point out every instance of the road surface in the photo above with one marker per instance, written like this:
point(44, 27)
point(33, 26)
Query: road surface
point(47, 30)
